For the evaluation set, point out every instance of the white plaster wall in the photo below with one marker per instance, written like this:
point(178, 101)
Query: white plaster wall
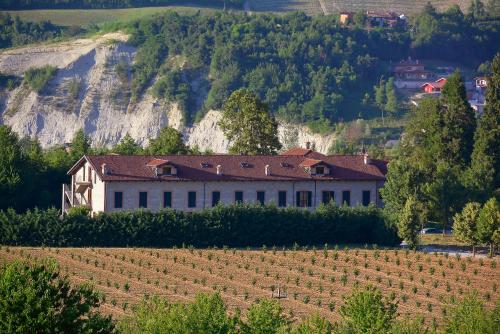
point(97, 202)
point(227, 189)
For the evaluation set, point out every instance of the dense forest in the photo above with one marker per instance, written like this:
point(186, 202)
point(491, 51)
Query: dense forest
point(60, 4)
point(308, 69)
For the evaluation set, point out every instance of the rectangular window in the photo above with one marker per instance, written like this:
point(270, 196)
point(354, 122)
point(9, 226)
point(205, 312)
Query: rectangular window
point(118, 199)
point(320, 170)
point(215, 198)
point(261, 197)
point(238, 197)
point(346, 197)
point(143, 199)
point(167, 170)
point(328, 197)
point(192, 199)
point(167, 199)
point(282, 199)
point(304, 199)
point(366, 197)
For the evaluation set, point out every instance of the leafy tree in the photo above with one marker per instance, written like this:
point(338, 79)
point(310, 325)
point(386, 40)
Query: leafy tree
point(409, 223)
point(469, 316)
point(366, 311)
point(265, 317)
point(247, 124)
point(459, 122)
point(465, 225)
point(36, 297)
point(80, 145)
point(485, 174)
point(391, 104)
point(11, 165)
point(168, 142)
point(488, 224)
point(380, 97)
point(127, 146)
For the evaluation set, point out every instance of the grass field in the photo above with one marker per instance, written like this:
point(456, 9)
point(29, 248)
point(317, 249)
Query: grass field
point(83, 17)
point(315, 280)
point(333, 6)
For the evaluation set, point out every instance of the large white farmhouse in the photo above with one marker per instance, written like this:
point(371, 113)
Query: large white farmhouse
point(299, 177)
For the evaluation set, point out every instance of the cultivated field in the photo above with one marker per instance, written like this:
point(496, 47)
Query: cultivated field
point(315, 280)
point(83, 17)
point(332, 6)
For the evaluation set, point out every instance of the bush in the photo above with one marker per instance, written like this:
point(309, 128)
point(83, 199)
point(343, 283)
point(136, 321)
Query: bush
point(37, 78)
point(232, 226)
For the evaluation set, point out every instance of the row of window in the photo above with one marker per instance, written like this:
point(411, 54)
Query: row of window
point(303, 198)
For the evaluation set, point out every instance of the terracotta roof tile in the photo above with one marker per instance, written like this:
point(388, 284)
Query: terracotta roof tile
point(204, 168)
point(157, 162)
point(310, 162)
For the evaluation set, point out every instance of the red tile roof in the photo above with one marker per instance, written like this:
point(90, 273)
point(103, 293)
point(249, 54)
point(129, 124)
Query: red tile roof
point(157, 162)
point(310, 163)
point(204, 168)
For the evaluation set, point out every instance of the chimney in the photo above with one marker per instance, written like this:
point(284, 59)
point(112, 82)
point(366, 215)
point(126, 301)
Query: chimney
point(219, 169)
point(367, 159)
point(308, 145)
point(268, 170)
point(104, 169)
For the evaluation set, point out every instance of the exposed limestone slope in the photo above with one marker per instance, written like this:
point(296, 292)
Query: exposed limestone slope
point(88, 93)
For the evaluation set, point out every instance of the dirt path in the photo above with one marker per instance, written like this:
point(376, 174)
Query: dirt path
point(323, 7)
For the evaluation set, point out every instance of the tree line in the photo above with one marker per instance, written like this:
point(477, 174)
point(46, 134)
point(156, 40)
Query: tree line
point(448, 158)
point(235, 226)
point(100, 4)
point(57, 306)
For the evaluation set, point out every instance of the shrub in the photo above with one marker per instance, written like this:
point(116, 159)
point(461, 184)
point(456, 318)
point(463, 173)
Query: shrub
point(366, 311)
point(37, 78)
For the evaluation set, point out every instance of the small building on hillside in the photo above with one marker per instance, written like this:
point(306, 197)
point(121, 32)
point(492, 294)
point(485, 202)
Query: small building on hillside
point(346, 18)
point(481, 83)
point(381, 19)
point(434, 87)
point(412, 70)
point(299, 177)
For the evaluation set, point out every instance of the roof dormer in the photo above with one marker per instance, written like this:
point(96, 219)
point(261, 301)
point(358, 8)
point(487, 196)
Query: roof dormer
point(315, 167)
point(162, 167)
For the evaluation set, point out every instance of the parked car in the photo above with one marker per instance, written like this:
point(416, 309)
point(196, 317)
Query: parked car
point(430, 230)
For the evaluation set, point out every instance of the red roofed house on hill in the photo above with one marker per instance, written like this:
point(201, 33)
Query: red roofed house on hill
point(434, 87)
point(299, 177)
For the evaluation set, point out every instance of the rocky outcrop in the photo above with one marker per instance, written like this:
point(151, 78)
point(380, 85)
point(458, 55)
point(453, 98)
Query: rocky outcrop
point(88, 93)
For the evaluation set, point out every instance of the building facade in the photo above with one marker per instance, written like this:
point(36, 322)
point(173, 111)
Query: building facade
point(299, 177)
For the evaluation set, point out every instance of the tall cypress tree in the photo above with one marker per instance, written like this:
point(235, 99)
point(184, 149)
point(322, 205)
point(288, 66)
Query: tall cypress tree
point(459, 122)
point(486, 155)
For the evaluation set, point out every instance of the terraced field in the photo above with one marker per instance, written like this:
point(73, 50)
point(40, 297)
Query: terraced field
point(314, 280)
point(313, 7)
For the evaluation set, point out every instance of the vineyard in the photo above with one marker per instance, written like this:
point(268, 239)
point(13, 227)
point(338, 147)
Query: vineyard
point(305, 280)
point(333, 6)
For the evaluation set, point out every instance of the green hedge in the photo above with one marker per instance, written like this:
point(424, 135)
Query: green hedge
point(234, 226)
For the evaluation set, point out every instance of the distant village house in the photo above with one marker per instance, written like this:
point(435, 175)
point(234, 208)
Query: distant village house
point(434, 87)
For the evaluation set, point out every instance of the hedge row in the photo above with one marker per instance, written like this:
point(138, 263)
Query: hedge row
point(234, 226)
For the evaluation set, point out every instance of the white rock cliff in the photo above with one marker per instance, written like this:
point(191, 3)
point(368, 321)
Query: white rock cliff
point(88, 93)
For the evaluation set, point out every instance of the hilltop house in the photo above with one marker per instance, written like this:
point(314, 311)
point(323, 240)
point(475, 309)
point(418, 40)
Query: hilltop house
point(300, 177)
point(412, 70)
